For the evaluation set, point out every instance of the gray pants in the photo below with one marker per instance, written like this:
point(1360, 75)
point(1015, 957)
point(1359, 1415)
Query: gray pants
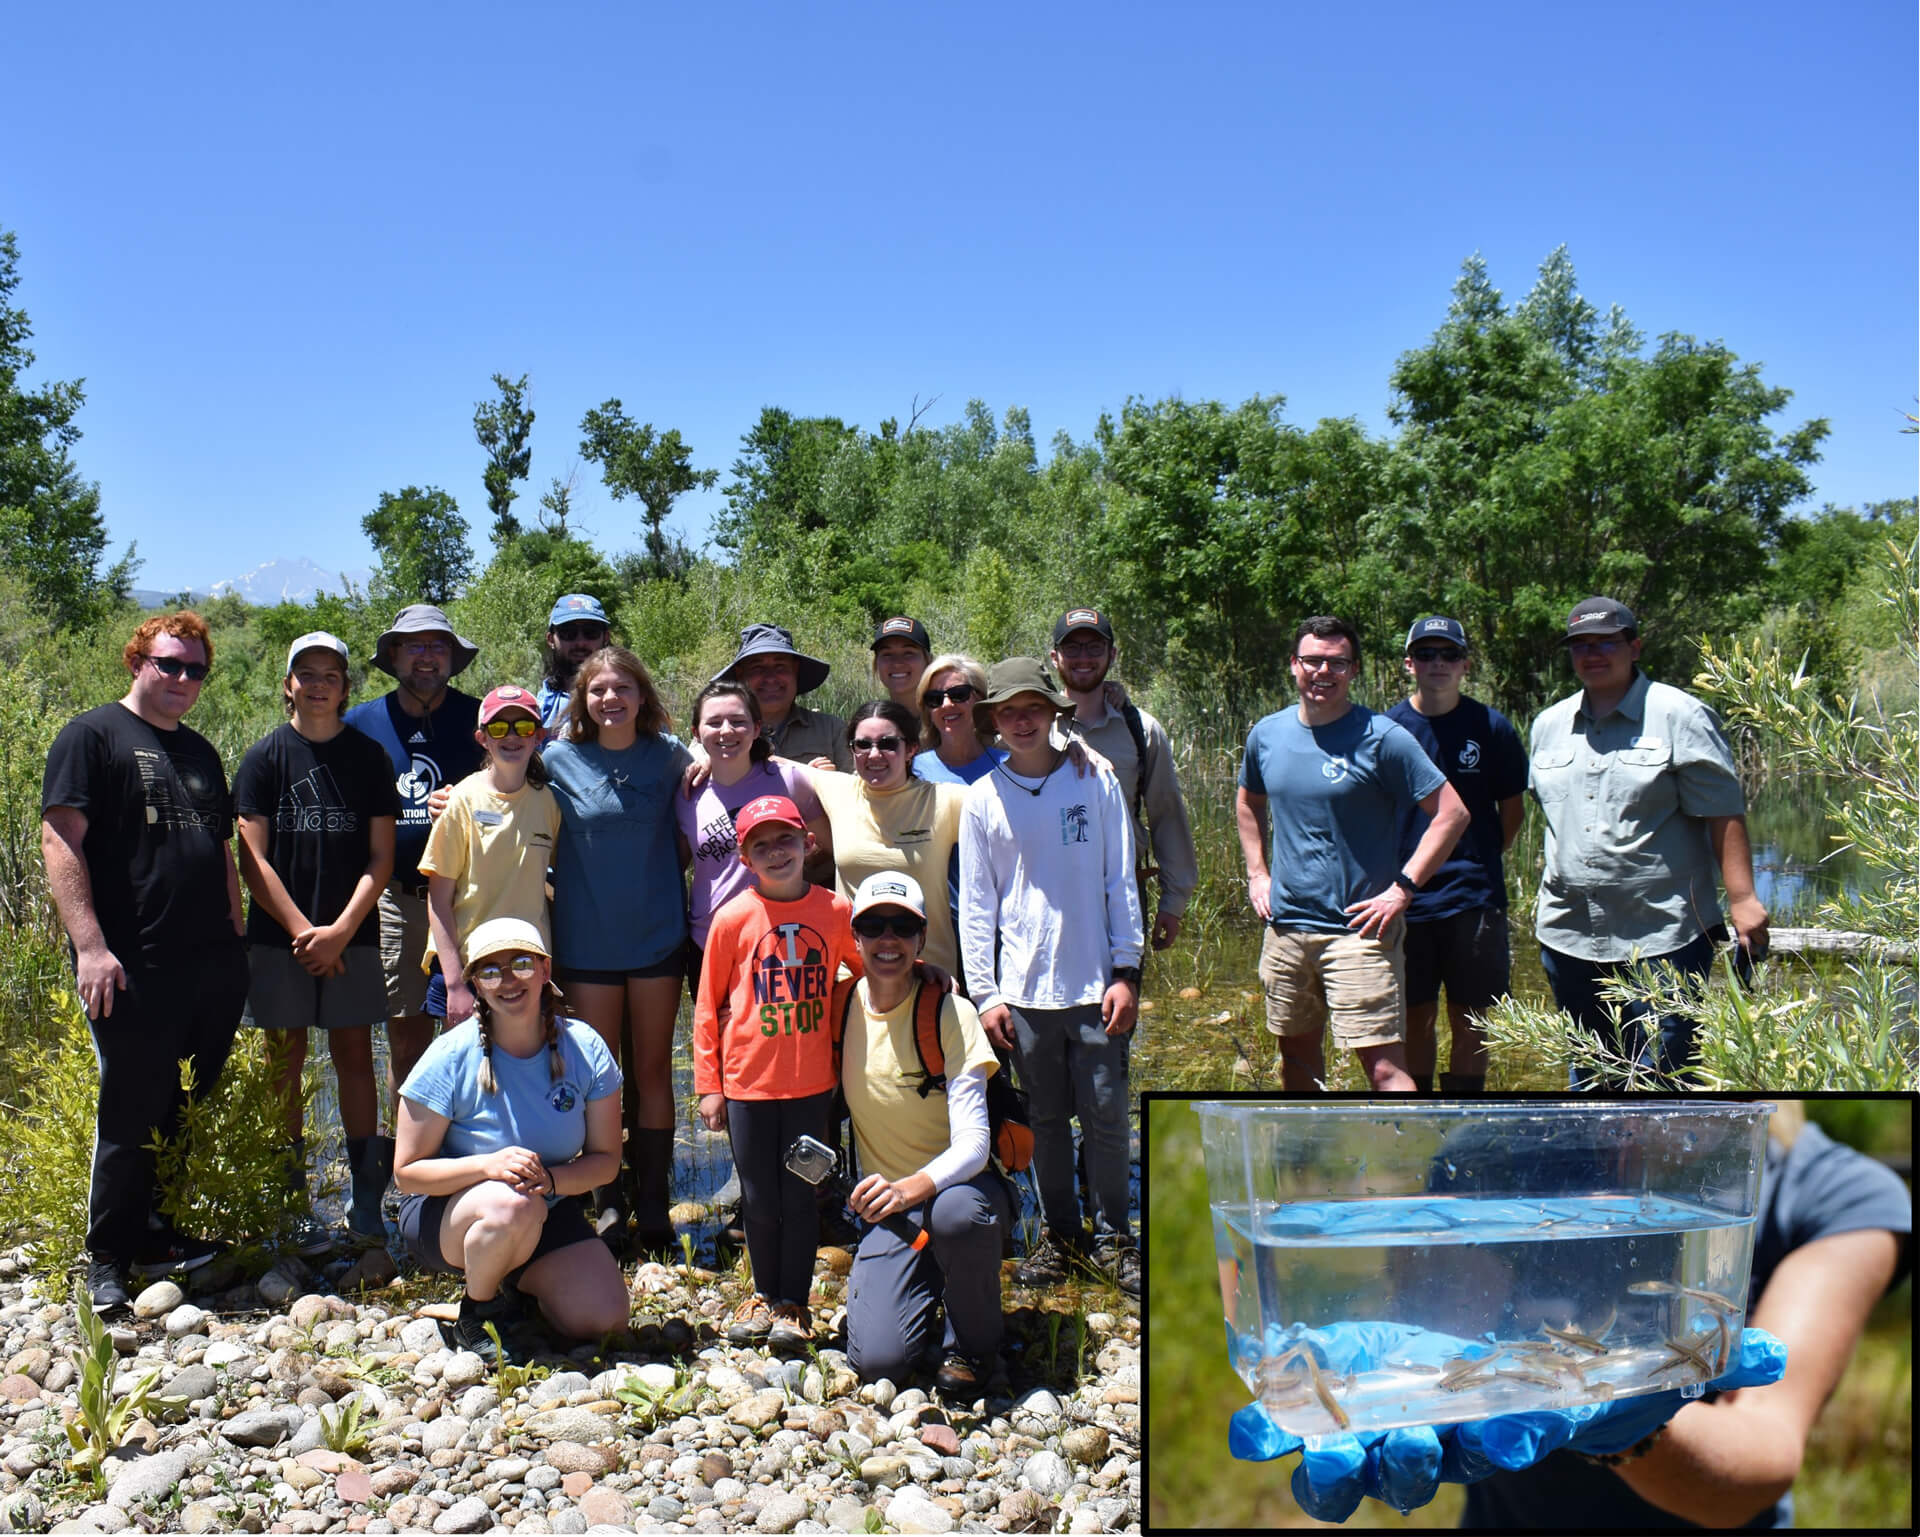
point(893, 1290)
point(1070, 1066)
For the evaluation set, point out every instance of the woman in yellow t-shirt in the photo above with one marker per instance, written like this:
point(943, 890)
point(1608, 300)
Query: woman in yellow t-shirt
point(923, 1160)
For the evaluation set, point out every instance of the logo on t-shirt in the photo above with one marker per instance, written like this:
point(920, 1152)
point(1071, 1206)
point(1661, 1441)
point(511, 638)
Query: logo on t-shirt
point(172, 786)
point(1335, 769)
point(791, 979)
point(314, 804)
point(1469, 754)
point(563, 1096)
point(421, 779)
point(1073, 824)
point(717, 840)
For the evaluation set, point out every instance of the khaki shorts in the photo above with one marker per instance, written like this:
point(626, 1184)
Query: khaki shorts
point(1361, 982)
point(403, 940)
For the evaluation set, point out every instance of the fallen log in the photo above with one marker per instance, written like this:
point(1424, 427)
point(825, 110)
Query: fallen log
point(1839, 942)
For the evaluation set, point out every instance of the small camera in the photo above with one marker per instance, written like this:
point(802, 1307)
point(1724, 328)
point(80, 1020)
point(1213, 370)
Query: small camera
point(811, 1159)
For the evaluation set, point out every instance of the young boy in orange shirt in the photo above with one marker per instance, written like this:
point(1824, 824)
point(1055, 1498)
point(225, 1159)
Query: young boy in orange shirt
point(763, 1054)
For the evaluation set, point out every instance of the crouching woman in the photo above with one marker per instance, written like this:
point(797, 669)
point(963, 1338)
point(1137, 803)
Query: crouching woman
point(506, 1120)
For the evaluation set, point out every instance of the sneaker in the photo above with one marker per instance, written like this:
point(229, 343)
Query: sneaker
point(792, 1327)
point(752, 1321)
point(107, 1285)
point(309, 1237)
point(468, 1331)
point(172, 1253)
point(1049, 1261)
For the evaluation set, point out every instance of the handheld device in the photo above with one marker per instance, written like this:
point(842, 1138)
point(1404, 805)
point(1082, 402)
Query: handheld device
point(813, 1161)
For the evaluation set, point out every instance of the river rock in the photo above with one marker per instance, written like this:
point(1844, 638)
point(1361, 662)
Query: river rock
point(1047, 1473)
point(144, 1478)
point(228, 1353)
point(759, 1411)
point(286, 1280)
point(884, 1471)
point(421, 1335)
point(781, 1513)
point(31, 1362)
point(443, 1434)
point(1085, 1443)
point(463, 1370)
point(913, 1511)
point(570, 1425)
point(158, 1300)
point(187, 1319)
point(262, 1427)
point(194, 1383)
point(468, 1515)
point(606, 1507)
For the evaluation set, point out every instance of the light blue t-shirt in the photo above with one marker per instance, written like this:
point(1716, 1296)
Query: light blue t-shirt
point(618, 902)
point(532, 1109)
point(1336, 794)
point(927, 765)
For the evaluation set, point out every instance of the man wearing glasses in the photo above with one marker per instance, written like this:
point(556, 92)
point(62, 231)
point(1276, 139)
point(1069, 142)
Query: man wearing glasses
point(1457, 922)
point(1338, 778)
point(576, 629)
point(1643, 808)
point(1136, 745)
point(135, 828)
point(427, 728)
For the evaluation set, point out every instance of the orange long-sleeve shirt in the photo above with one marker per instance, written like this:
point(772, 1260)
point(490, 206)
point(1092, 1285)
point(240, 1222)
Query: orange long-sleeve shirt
point(760, 1026)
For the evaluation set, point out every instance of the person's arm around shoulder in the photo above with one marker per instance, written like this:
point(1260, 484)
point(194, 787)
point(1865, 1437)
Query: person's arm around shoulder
point(1721, 1464)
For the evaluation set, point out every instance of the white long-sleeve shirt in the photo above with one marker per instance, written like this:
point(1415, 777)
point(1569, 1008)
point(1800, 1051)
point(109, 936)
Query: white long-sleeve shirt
point(1051, 876)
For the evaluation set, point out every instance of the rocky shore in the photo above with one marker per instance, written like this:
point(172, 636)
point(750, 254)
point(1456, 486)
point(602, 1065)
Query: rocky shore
point(294, 1408)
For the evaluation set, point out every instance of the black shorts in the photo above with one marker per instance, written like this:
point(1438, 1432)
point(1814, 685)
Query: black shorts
point(421, 1215)
point(1466, 954)
point(674, 965)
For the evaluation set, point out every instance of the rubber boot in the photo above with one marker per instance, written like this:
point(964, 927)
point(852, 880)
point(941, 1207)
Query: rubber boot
point(652, 1173)
point(370, 1162)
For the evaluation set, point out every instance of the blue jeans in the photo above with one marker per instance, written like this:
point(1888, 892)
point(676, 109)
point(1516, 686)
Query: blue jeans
point(1663, 1043)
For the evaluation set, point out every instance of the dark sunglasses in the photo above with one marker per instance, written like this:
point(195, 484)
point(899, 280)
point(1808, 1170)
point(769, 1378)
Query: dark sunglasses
point(873, 744)
point(899, 925)
point(173, 667)
point(497, 729)
point(1428, 654)
point(522, 966)
point(960, 693)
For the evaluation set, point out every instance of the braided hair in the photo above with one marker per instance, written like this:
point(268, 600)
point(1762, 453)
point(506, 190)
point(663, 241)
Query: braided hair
point(550, 1024)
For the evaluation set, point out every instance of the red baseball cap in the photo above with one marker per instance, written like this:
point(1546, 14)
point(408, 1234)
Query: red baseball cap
point(506, 697)
point(763, 809)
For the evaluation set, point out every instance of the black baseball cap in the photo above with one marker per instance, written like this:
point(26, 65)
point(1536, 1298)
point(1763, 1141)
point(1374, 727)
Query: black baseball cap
point(901, 627)
point(1600, 616)
point(1083, 619)
point(1439, 627)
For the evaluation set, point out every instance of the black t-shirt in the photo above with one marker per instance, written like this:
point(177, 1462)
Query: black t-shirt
point(319, 799)
point(426, 752)
point(158, 820)
point(1478, 750)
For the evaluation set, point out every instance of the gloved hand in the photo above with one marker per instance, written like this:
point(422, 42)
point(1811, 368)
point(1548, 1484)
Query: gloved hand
point(1405, 1466)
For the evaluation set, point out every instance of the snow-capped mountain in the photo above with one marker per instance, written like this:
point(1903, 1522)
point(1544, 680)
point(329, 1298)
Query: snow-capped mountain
point(292, 579)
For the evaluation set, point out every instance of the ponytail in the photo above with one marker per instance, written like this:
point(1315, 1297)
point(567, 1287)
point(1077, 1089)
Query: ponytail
point(488, 1083)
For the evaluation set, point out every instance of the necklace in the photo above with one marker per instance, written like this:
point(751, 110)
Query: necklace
point(1033, 790)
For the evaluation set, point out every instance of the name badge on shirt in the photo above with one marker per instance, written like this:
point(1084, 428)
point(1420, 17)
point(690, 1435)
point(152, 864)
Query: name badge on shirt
point(488, 818)
point(1646, 741)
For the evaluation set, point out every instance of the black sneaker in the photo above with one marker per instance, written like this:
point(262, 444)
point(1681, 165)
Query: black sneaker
point(172, 1253)
point(1049, 1261)
point(107, 1285)
point(469, 1332)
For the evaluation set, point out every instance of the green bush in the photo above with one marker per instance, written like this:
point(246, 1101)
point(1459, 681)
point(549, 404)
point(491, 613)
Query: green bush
point(49, 1160)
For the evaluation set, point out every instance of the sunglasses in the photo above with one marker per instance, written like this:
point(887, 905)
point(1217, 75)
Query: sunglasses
point(899, 925)
point(874, 744)
point(522, 966)
point(173, 667)
point(1429, 654)
point(960, 693)
point(1605, 646)
point(497, 729)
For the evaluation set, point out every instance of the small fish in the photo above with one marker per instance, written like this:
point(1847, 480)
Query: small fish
point(1685, 1350)
point(1572, 1336)
point(1520, 1374)
point(1416, 1368)
point(1670, 1289)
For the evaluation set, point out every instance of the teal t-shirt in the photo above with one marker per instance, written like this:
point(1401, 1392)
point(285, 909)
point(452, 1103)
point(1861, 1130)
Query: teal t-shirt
point(532, 1108)
point(618, 902)
point(1335, 796)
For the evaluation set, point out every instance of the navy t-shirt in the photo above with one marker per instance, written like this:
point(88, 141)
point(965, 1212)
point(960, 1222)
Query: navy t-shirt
point(1481, 754)
point(1815, 1189)
point(427, 752)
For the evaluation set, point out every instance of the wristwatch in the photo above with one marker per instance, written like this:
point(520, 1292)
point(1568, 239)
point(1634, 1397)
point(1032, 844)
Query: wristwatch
point(1127, 974)
point(1405, 884)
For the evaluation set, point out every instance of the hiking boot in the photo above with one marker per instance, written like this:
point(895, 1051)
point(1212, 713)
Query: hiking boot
point(752, 1321)
point(1120, 1257)
point(1050, 1261)
point(960, 1377)
point(309, 1237)
point(610, 1217)
point(172, 1253)
point(468, 1331)
point(107, 1285)
point(792, 1327)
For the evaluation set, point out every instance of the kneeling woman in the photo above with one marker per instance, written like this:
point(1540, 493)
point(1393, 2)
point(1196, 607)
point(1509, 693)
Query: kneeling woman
point(505, 1122)
point(939, 1210)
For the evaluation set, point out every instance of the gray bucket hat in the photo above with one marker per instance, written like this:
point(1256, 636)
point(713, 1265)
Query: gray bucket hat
point(772, 640)
point(416, 619)
point(1022, 675)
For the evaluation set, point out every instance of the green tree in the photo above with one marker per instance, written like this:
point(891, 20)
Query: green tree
point(777, 486)
point(654, 468)
point(421, 540)
point(502, 427)
point(51, 531)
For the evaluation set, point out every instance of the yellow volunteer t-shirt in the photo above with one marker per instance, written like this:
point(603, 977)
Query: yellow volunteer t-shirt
point(495, 849)
point(909, 831)
point(898, 1133)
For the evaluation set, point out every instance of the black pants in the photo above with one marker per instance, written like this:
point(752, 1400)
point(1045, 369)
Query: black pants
point(777, 1208)
point(188, 1009)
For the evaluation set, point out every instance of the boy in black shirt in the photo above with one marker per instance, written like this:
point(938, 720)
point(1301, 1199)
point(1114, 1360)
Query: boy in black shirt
point(135, 819)
point(317, 803)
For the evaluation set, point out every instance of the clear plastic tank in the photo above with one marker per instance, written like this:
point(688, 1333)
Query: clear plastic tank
point(1393, 1264)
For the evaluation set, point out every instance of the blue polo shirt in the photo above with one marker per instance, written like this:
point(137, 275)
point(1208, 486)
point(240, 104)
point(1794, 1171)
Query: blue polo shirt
point(1481, 754)
point(1336, 794)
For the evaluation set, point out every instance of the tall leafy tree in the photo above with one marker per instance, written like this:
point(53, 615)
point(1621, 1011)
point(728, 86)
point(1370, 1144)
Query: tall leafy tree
point(777, 489)
point(654, 468)
point(503, 427)
point(51, 531)
point(421, 540)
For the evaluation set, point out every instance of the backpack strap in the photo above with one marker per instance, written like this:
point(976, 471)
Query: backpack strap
point(837, 1012)
point(1130, 713)
point(926, 1038)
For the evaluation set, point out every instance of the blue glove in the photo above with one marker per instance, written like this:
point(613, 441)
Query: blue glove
point(1406, 1466)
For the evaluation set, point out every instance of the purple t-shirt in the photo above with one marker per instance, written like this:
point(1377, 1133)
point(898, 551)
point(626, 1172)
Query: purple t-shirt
point(706, 822)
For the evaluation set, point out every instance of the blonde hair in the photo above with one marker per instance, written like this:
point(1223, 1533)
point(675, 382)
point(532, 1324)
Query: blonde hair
point(652, 714)
point(949, 661)
point(549, 1019)
point(1788, 1121)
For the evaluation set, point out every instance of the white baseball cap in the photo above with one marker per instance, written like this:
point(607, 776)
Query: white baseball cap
point(316, 640)
point(885, 888)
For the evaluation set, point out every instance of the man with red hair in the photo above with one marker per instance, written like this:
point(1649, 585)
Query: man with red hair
point(136, 823)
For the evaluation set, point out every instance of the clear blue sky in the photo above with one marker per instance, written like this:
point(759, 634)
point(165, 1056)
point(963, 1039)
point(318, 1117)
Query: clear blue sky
point(287, 246)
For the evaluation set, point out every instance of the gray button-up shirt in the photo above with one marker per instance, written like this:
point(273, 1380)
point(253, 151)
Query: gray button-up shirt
point(1628, 862)
point(808, 734)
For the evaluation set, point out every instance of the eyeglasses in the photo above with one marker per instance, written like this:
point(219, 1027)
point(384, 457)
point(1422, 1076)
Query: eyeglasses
point(874, 744)
point(1339, 666)
point(1602, 645)
point(173, 667)
point(1089, 648)
point(899, 925)
point(960, 693)
point(497, 729)
point(522, 966)
point(1428, 654)
point(435, 647)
